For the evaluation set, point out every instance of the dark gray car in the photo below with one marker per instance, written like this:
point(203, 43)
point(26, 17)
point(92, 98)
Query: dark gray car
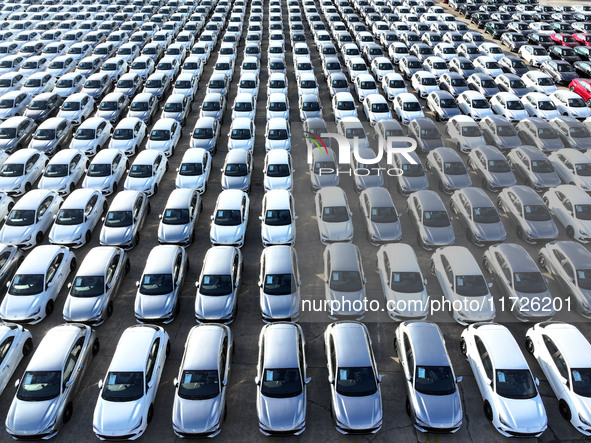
point(381, 217)
point(52, 135)
point(426, 134)
point(499, 132)
point(534, 168)
point(449, 169)
point(539, 133)
point(572, 132)
point(453, 83)
point(44, 106)
point(492, 168)
point(15, 133)
point(412, 176)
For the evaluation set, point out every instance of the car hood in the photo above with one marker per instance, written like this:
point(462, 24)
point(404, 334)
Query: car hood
point(214, 307)
point(192, 182)
point(440, 236)
point(42, 145)
point(207, 143)
point(115, 418)
point(38, 114)
point(548, 115)
point(279, 306)
point(523, 415)
point(337, 231)
point(414, 183)
point(31, 417)
point(196, 416)
point(19, 307)
point(323, 180)
point(430, 143)
point(54, 183)
point(9, 183)
point(503, 179)
point(282, 414)
point(172, 233)
point(345, 301)
point(277, 234)
point(442, 411)
point(458, 181)
point(83, 308)
point(516, 114)
point(83, 145)
point(227, 234)
point(107, 115)
point(385, 231)
point(278, 182)
point(116, 236)
point(235, 182)
point(97, 182)
point(547, 179)
point(359, 412)
point(153, 306)
point(139, 184)
point(16, 234)
point(544, 229)
point(491, 231)
point(7, 143)
point(65, 233)
point(510, 142)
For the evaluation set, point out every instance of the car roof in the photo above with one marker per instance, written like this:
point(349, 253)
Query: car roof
point(526, 194)
point(501, 346)
point(38, 262)
point(278, 259)
point(402, 257)
point(477, 197)
point(133, 348)
point(97, 262)
point(106, 155)
point(92, 122)
point(203, 347)
point(54, 348)
point(379, 197)
point(64, 156)
point(429, 200)
point(277, 198)
point(161, 259)
point(128, 122)
point(13, 122)
point(532, 152)
point(517, 257)
point(427, 344)
point(230, 199)
point(351, 344)
point(462, 260)
point(570, 341)
point(241, 123)
point(218, 260)
point(344, 256)
point(576, 252)
point(491, 152)
point(124, 200)
point(279, 339)
point(147, 156)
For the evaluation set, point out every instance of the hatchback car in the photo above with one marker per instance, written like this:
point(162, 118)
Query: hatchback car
point(179, 218)
point(230, 218)
point(146, 172)
point(105, 171)
point(126, 216)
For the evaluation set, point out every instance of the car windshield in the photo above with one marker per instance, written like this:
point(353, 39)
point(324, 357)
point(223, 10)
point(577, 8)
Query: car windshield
point(6, 103)
point(156, 284)
point(7, 133)
point(430, 134)
point(579, 131)
point(583, 169)
point(515, 105)
point(583, 212)
point(183, 84)
point(346, 281)
point(191, 169)
point(199, 385)
point(435, 219)
point(356, 382)
point(123, 386)
point(123, 134)
point(175, 216)
point(413, 170)
point(386, 214)
point(173, 107)
point(480, 104)
point(108, 106)
point(141, 171)
point(448, 103)
point(278, 106)
point(99, 170)
point(370, 85)
point(240, 134)
point(279, 84)
point(216, 285)
point(278, 134)
point(542, 166)
point(217, 84)
point(345, 105)
point(228, 217)
point(545, 105)
point(118, 219)
point(278, 217)
point(434, 380)
point(411, 106)
point(27, 284)
point(310, 106)
point(278, 284)
point(139, 65)
point(88, 286)
point(581, 381)
point(21, 217)
point(335, 214)
point(139, 106)
point(471, 285)
point(85, 134)
point(236, 170)
point(281, 383)
point(576, 103)
point(566, 67)
point(397, 84)
point(537, 213)
point(485, 214)
point(515, 384)
point(454, 168)
point(278, 170)
point(243, 106)
point(428, 81)
point(203, 133)
point(500, 165)
point(154, 84)
point(406, 282)
point(38, 105)
point(70, 217)
point(529, 282)
point(160, 135)
point(355, 132)
point(93, 84)
point(458, 82)
point(39, 386)
point(506, 131)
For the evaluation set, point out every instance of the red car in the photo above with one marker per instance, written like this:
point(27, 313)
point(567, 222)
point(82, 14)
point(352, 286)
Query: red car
point(564, 40)
point(583, 39)
point(581, 87)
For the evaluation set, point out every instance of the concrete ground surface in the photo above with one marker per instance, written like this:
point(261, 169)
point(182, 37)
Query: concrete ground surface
point(241, 424)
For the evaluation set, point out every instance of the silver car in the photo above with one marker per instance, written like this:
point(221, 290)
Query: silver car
point(356, 397)
point(449, 169)
point(95, 286)
point(431, 220)
point(52, 135)
point(124, 220)
point(278, 218)
point(478, 215)
point(218, 285)
point(381, 217)
point(432, 397)
point(144, 106)
point(521, 281)
point(237, 170)
point(533, 167)
point(159, 289)
point(44, 401)
point(180, 216)
point(323, 169)
point(200, 388)
point(194, 170)
point(413, 177)
point(526, 209)
point(492, 168)
point(281, 380)
point(228, 226)
point(333, 215)
point(279, 283)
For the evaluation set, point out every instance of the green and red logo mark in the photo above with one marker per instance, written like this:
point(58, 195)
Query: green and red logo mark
point(316, 140)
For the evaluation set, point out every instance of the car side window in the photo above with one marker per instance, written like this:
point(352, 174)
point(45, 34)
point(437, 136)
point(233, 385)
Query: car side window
point(45, 204)
point(4, 258)
point(90, 205)
point(410, 361)
point(484, 358)
point(53, 267)
point(557, 357)
point(136, 208)
point(74, 161)
point(151, 363)
point(504, 267)
point(568, 268)
point(31, 162)
point(333, 357)
point(177, 268)
point(111, 269)
point(223, 357)
point(447, 267)
point(568, 205)
point(71, 360)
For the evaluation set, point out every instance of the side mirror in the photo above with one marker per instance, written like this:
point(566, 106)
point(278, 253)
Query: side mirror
point(261, 218)
point(490, 284)
point(160, 216)
point(103, 219)
point(175, 382)
point(330, 379)
point(211, 217)
point(150, 384)
point(69, 285)
point(425, 281)
point(224, 382)
point(257, 380)
point(17, 382)
point(69, 383)
point(537, 380)
point(409, 377)
point(379, 378)
point(137, 283)
point(308, 379)
point(458, 379)
point(196, 284)
point(100, 384)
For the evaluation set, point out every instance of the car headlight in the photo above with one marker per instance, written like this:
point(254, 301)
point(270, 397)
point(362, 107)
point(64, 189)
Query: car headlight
point(583, 420)
point(137, 426)
point(503, 422)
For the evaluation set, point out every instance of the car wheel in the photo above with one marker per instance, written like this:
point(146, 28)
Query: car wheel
point(149, 209)
point(73, 265)
point(432, 267)
point(96, 347)
point(167, 349)
point(72, 187)
point(452, 206)
point(39, 237)
point(150, 414)
point(488, 411)
point(570, 231)
point(520, 233)
point(27, 347)
point(407, 406)
point(109, 309)
point(88, 236)
point(127, 266)
point(529, 345)
point(564, 410)
point(155, 189)
point(49, 307)
point(114, 188)
point(463, 347)
point(542, 261)
point(68, 411)
point(28, 187)
point(136, 239)
point(589, 102)
point(395, 346)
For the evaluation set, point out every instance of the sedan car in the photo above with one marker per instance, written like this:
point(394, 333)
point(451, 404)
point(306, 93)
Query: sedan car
point(164, 136)
point(499, 132)
point(64, 171)
point(92, 136)
point(128, 135)
point(16, 343)
point(573, 167)
point(533, 167)
point(230, 218)
point(492, 168)
point(146, 172)
point(538, 132)
point(105, 171)
point(449, 169)
point(125, 218)
point(333, 215)
point(19, 171)
point(431, 219)
point(180, 216)
point(278, 218)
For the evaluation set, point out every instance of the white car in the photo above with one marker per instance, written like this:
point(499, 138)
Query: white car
point(365, 85)
point(343, 105)
point(38, 83)
point(125, 405)
point(278, 218)
point(146, 172)
point(571, 205)
point(488, 65)
point(333, 215)
point(509, 106)
point(376, 108)
point(92, 136)
point(278, 170)
point(571, 104)
point(21, 170)
point(381, 66)
point(492, 50)
point(64, 171)
point(186, 84)
point(248, 83)
point(105, 171)
point(563, 354)
point(277, 134)
point(406, 108)
point(474, 104)
point(77, 108)
point(534, 55)
point(194, 170)
point(242, 134)
point(538, 81)
point(193, 66)
point(128, 135)
point(16, 343)
point(165, 136)
point(143, 66)
point(436, 66)
point(463, 284)
point(393, 84)
point(403, 284)
point(511, 399)
point(69, 84)
point(277, 106)
point(36, 284)
point(538, 104)
point(230, 218)
point(244, 106)
point(573, 167)
point(277, 83)
point(77, 218)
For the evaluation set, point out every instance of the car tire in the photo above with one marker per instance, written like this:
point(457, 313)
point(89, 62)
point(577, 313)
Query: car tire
point(570, 231)
point(114, 188)
point(520, 233)
point(463, 347)
point(73, 265)
point(96, 347)
point(28, 187)
point(27, 347)
point(136, 239)
point(109, 309)
point(529, 346)
point(155, 189)
point(88, 236)
point(564, 410)
point(49, 307)
point(488, 413)
point(150, 414)
point(542, 261)
point(68, 411)
point(168, 348)
point(407, 406)
point(39, 238)
point(127, 266)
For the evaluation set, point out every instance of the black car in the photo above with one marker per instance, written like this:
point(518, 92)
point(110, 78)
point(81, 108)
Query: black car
point(468, 9)
point(495, 29)
point(583, 69)
point(512, 64)
point(561, 72)
point(538, 39)
point(564, 53)
point(584, 52)
point(502, 17)
point(513, 40)
point(480, 19)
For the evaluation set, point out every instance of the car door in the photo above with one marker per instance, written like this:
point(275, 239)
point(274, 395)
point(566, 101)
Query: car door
point(54, 276)
point(44, 215)
point(92, 212)
point(8, 359)
point(152, 372)
point(75, 169)
point(71, 371)
point(483, 368)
